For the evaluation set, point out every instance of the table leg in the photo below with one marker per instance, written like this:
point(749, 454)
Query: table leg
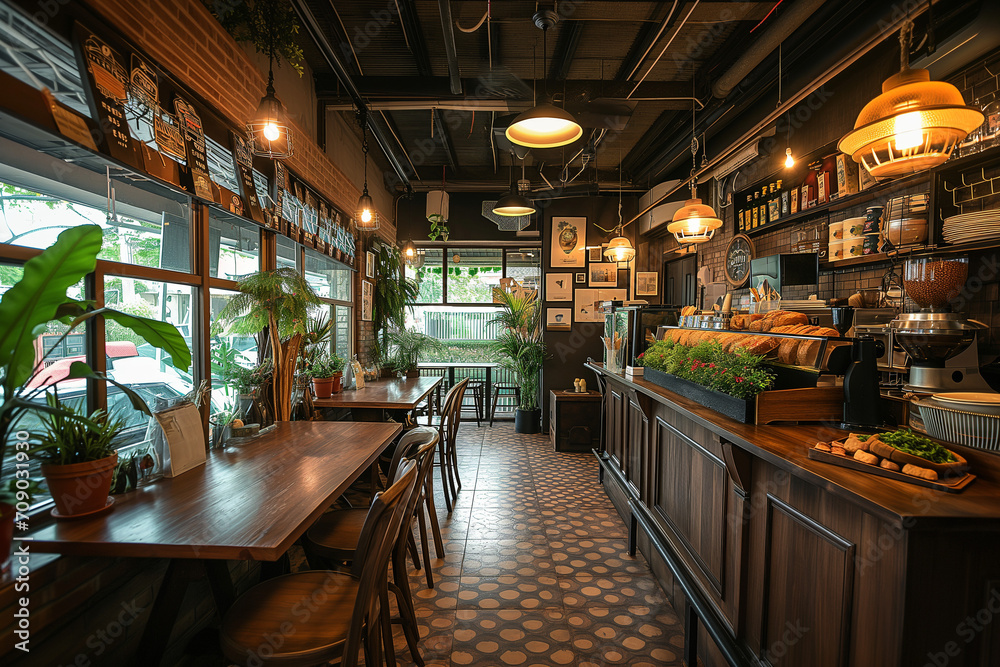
point(166, 608)
point(221, 582)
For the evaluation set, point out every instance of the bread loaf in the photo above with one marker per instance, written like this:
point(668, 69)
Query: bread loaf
point(865, 457)
point(917, 471)
point(889, 465)
point(787, 318)
point(761, 345)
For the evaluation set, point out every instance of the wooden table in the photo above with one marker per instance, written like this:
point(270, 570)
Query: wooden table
point(248, 502)
point(370, 403)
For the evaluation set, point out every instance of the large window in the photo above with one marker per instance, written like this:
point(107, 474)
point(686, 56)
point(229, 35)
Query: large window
point(455, 303)
point(332, 281)
point(234, 246)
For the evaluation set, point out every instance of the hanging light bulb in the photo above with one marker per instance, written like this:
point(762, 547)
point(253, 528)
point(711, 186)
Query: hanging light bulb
point(619, 249)
point(913, 125)
point(409, 250)
point(694, 222)
point(270, 131)
point(789, 160)
point(367, 217)
point(545, 125)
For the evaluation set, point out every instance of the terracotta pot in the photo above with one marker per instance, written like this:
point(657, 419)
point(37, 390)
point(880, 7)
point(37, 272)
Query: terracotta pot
point(323, 387)
point(6, 534)
point(79, 488)
point(338, 382)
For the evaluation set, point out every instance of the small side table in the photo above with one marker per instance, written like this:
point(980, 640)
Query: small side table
point(574, 420)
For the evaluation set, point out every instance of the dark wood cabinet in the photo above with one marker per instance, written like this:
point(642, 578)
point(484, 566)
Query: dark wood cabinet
point(574, 420)
point(776, 560)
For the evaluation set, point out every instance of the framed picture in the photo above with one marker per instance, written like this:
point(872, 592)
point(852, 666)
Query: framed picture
point(603, 275)
point(595, 255)
point(646, 283)
point(366, 300)
point(370, 264)
point(558, 319)
point(569, 237)
point(586, 306)
point(581, 278)
point(558, 287)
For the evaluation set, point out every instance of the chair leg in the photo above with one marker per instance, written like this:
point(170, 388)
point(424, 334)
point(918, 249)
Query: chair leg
point(454, 465)
point(407, 614)
point(493, 410)
point(433, 518)
point(443, 467)
point(411, 546)
point(448, 456)
point(480, 408)
point(386, 622)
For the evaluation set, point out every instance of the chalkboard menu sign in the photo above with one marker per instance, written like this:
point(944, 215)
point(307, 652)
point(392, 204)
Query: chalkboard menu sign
point(244, 174)
point(194, 138)
point(105, 71)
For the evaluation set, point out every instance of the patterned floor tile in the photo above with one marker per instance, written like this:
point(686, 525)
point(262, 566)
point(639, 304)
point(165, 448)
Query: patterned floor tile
point(492, 558)
point(595, 557)
point(523, 495)
point(590, 591)
point(634, 636)
point(486, 638)
point(510, 592)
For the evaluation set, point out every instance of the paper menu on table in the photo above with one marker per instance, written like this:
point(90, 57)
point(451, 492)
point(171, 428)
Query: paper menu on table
point(185, 437)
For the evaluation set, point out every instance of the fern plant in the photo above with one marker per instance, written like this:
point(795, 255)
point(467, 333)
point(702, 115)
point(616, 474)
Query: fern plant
point(393, 295)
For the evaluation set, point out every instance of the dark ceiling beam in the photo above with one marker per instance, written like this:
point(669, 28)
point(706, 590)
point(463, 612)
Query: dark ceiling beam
point(450, 50)
point(644, 40)
point(444, 137)
point(439, 87)
point(330, 54)
point(414, 35)
point(569, 40)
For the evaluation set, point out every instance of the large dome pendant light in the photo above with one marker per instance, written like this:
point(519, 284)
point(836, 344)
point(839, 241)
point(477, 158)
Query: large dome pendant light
point(270, 131)
point(913, 125)
point(694, 222)
point(367, 218)
point(514, 204)
point(545, 125)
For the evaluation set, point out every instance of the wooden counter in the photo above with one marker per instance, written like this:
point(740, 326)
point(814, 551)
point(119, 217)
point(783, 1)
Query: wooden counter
point(772, 558)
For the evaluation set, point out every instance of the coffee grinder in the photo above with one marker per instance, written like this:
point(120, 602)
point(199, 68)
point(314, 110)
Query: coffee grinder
point(863, 404)
point(941, 344)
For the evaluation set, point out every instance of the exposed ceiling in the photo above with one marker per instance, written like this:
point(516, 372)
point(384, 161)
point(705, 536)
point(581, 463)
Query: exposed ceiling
point(443, 78)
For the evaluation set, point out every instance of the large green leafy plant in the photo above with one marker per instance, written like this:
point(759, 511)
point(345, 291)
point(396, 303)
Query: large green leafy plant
point(738, 373)
point(519, 343)
point(406, 346)
point(40, 298)
point(277, 301)
point(393, 295)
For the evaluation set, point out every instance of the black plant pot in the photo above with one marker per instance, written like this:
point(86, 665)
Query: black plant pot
point(528, 421)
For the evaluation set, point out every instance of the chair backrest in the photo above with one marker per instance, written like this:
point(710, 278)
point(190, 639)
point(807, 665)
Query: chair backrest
point(452, 415)
point(410, 440)
point(378, 535)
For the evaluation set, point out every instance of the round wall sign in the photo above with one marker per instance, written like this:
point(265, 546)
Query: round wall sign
point(738, 255)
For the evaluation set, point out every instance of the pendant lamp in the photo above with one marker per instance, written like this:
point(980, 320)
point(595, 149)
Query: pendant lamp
point(619, 250)
point(913, 125)
point(270, 131)
point(694, 222)
point(409, 251)
point(367, 218)
point(545, 125)
point(513, 204)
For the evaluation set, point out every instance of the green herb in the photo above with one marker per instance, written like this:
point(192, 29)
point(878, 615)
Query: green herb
point(736, 373)
point(907, 441)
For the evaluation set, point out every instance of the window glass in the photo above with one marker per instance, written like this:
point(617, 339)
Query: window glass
point(428, 271)
point(473, 273)
point(140, 228)
point(330, 279)
point(229, 352)
point(234, 246)
point(288, 251)
point(342, 331)
point(524, 266)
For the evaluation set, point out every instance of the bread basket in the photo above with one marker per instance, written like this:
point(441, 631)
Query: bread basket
point(971, 429)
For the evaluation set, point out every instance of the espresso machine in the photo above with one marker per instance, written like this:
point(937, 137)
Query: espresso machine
point(942, 345)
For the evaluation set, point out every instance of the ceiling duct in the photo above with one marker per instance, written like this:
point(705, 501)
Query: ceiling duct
point(740, 158)
point(966, 45)
point(659, 215)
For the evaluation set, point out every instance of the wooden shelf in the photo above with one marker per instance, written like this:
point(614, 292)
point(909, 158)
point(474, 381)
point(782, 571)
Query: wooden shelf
point(959, 249)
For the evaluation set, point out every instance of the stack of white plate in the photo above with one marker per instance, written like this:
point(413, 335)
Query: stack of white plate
point(978, 226)
point(966, 418)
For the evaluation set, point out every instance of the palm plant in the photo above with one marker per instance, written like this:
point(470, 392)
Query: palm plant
point(519, 343)
point(393, 294)
point(406, 347)
point(278, 302)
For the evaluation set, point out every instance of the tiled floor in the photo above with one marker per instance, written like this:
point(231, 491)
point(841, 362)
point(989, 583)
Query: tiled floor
point(537, 570)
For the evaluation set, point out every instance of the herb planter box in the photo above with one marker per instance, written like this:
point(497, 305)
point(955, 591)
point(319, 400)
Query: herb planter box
point(825, 403)
point(730, 406)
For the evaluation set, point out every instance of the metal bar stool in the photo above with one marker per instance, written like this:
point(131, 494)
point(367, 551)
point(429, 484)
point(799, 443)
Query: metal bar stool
point(504, 389)
point(477, 392)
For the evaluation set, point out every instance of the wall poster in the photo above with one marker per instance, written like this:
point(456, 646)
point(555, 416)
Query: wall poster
point(568, 242)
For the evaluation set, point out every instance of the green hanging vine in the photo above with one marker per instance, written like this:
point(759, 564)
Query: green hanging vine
point(270, 25)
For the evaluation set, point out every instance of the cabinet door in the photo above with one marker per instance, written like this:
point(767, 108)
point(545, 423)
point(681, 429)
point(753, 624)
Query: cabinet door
point(617, 441)
point(637, 436)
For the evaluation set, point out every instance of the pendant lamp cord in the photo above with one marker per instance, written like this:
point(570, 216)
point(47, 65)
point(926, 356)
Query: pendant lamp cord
point(364, 144)
point(694, 147)
point(905, 40)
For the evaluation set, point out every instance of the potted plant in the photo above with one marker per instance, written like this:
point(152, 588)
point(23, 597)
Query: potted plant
point(406, 347)
point(79, 455)
point(327, 371)
point(275, 302)
point(40, 298)
point(521, 350)
point(393, 294)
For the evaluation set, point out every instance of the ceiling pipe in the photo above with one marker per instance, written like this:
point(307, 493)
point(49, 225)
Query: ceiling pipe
point(856, 54)
point(444, 8)
point(330, 55)
point(786, 23)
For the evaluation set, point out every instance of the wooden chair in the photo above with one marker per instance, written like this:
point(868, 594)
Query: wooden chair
point(314, 617)
point(451, 416)
point(335, 536)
